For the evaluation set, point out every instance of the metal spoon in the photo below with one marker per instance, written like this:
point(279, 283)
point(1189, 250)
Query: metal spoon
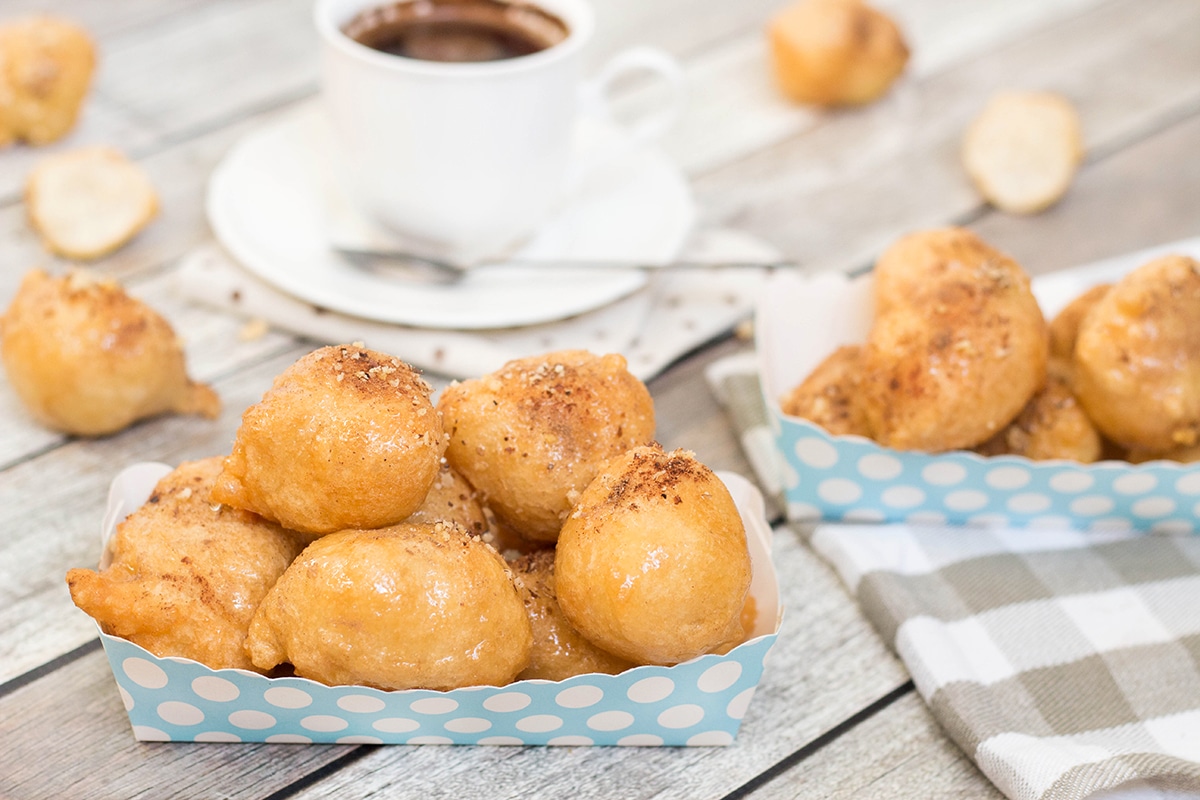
point(430, 269)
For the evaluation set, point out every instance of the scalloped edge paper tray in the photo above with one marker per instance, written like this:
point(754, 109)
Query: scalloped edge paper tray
point(700, 702)
point(802, 318)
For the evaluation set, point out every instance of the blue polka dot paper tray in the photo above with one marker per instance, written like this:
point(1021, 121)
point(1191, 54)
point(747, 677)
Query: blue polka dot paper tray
point(700, 702)
point(801, 319)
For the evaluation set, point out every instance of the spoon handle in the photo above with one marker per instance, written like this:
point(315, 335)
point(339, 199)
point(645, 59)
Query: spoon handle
point(405, 260)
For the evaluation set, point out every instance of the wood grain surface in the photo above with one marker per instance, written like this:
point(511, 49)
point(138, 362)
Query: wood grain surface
point(180, 82)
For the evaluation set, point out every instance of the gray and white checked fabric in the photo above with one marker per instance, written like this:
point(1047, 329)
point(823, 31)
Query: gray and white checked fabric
point(1064, 663)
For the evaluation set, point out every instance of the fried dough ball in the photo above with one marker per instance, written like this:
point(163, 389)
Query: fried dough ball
point(533, 434)
point(652, 564)
point(829, 396)
point(1137, 357)
point(452, 499)
point(187, 575)
point(46, 65)
point(958, 346)
point(1023, 150)
point(1064, 328)
point(1051, 426)
point(413, 606)
point(345, 438)
point(835, 52)
point(559, 652)
point(88, 359)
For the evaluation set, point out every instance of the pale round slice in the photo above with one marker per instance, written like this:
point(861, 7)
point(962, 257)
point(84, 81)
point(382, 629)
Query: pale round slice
point(1023, 149)
point(87, 203)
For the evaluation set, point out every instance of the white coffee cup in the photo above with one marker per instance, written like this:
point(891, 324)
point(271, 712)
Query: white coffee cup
point(468, 157)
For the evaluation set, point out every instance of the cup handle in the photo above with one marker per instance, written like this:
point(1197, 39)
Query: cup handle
point(657, 63)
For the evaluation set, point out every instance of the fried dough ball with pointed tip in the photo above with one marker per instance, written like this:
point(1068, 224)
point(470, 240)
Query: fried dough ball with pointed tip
point(413, 606)
point(452, 499)
point(186, 576)
point(829, 396)
point(533, 434)
point(86, 358)
point(346, 437)
point(1064, 328)
point(1051, 426)
point(958, 345)
point(1137, 357)
point(45, 72)
point(559, 651)
point(652, 564)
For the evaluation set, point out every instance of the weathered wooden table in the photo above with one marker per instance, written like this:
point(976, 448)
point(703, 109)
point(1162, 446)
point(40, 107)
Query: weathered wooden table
point(836, 714)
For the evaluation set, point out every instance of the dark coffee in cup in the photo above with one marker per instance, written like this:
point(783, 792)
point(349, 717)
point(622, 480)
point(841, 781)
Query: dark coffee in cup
point(457, 30)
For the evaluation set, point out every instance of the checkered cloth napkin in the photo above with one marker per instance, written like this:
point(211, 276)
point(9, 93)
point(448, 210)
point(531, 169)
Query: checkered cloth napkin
point(1065, 664)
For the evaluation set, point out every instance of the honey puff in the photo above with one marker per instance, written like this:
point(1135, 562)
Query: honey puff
point(958, 345)
point(652, 564)
point(1137, 357)
point(413, 606)
point(533, 434)
point(559, 651)
point(186, 576)
point(345, 438)
point(88, 359)
point(46, 66)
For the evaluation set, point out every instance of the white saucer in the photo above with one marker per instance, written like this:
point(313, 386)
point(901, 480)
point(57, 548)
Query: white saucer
point(269, 204)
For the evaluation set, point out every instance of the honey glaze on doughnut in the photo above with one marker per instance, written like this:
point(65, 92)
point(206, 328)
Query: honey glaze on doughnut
point(652, 564)
point(345, 438)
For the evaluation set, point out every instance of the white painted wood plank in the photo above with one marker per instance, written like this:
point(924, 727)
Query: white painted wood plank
point(66, 736)
point(837, 195)
point(215, 63)
point(734, 107)
point(102, 18)
point(900, 752)
point(99, 124)
point(1144, 195)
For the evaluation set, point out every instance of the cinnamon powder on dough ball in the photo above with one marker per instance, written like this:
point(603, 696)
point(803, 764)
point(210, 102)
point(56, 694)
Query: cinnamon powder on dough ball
point(345, 438)
point(533, 434)
point(652, 564)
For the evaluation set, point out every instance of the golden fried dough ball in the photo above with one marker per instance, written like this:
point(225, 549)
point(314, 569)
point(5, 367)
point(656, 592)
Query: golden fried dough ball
point(1051, 426)
point(559, 652)
point(829, 396)
point(186, 575)
point(835, 52)
point(88, 359)
point(46, 64)
point(958, 345)
point(1023, 150)
point(345, 438)
point(1064, 328)
point(413, 606)
point(652, 564)
point(452, 499)
point(533, 434)
point(1137, 357)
